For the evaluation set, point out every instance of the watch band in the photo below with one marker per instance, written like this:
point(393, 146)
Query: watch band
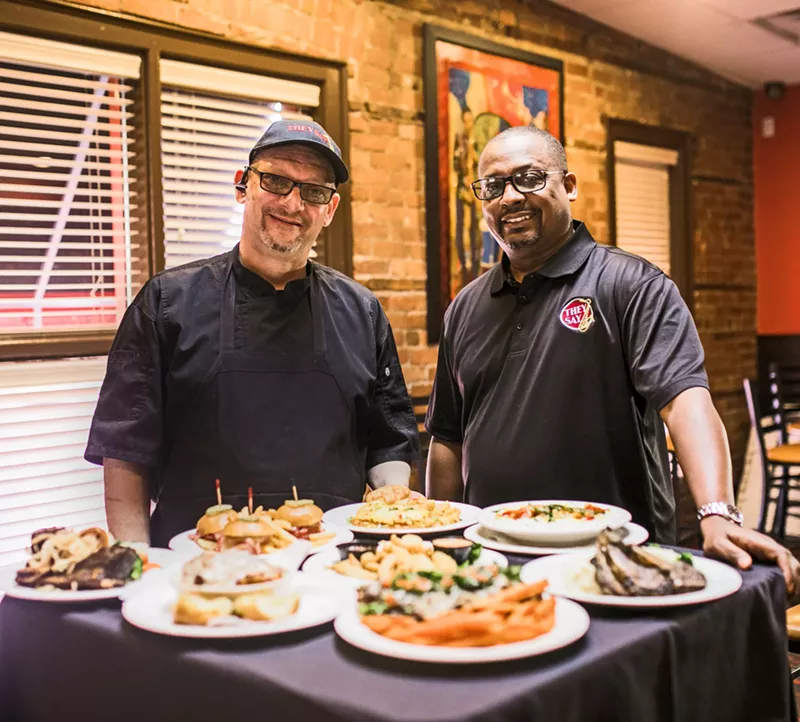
point(723, 509)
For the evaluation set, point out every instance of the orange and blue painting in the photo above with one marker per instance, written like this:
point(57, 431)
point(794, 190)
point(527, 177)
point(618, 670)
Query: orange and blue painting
point(479, 95)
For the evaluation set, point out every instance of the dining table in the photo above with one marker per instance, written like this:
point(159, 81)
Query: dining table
point(725, 660)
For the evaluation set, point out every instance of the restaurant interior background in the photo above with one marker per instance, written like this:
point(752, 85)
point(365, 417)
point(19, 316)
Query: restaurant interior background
point(357, 65)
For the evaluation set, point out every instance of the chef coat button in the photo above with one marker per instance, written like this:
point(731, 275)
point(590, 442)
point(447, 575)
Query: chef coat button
point(519, 326)
point(386, 371)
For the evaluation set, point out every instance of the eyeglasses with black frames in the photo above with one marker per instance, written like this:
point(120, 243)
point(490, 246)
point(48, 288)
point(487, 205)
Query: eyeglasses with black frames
point(281, 185)
point(525, 181)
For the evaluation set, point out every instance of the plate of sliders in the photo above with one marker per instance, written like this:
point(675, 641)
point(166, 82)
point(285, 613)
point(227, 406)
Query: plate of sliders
point(262, 531)
point(396, 509)
point(480, 614)
point(616, 573)
point(232, 594)
point(364, 561)
point(636, 534)
point(68, 565)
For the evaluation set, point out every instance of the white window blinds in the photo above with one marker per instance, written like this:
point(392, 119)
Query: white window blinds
point(642, 200)
point(68, 210)
point(211, 118)
point(46, 409)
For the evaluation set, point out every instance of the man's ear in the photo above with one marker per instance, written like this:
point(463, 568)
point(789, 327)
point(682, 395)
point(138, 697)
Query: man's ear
point(331, 210)
point(571, 186)
point(240, 184)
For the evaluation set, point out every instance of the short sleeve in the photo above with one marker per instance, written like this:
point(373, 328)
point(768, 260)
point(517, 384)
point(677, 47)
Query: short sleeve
point(660, 341)
point(443, 420)
point(392, 426)
point(128, 420)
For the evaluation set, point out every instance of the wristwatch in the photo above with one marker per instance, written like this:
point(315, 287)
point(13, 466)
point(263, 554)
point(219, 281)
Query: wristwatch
point(720, 508)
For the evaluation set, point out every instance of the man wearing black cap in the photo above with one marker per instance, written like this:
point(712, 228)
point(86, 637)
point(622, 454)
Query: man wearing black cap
point(257, 367)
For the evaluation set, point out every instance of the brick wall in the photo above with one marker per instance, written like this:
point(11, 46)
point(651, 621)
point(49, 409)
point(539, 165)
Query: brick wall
point(606, 74)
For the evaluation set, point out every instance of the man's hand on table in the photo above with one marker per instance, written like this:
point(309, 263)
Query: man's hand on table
point(725, 540)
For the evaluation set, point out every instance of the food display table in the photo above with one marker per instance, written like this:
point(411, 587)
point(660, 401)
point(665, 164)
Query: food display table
point(725, 660)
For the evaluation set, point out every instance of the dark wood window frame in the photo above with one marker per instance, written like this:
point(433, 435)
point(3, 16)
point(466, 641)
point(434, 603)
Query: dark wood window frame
point(681, 225)
point(151, 40)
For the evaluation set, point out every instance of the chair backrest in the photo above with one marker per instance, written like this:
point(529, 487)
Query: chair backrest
point(790, 387)
point(754, 410)
point(777, 410)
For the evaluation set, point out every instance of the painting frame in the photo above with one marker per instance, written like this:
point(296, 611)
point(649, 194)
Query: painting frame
point(439, 187)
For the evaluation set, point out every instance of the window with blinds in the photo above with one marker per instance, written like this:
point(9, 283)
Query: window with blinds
point(70, 255)
point(642, 193)
point(211, 118)
point(46, 408)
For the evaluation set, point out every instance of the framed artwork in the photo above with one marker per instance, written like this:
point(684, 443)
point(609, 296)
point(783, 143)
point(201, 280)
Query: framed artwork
point(474, 89)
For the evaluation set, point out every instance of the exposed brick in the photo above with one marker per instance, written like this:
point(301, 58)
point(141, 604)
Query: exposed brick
point(381, 42)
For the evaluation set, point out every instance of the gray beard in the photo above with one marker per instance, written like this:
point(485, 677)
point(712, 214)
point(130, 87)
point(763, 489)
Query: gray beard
point(273, 245)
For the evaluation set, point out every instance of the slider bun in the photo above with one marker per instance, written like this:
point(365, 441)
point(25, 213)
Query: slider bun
point(306, 515)
point(194, 609)
point(247, 528)
point(209, 524)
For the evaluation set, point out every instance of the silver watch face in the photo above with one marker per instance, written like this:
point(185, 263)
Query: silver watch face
point(735, 514)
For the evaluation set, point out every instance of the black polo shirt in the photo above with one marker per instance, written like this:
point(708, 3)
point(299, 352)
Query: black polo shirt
point(554, 385)
point(170, 337)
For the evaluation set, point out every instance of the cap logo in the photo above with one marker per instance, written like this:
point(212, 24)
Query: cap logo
point(324, 137)
point(578, 315)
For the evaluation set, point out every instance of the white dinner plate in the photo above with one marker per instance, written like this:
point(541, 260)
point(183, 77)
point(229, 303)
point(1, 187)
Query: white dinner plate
point(559, 570)
point(341, 514)
point(320, 564)
point(289, 558)
point(8, 585)
point(571, 624)
point(319, 604)
point(492, 540)
point(562, 531)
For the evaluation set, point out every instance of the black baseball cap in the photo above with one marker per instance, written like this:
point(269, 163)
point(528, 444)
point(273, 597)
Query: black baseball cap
point(307, 132)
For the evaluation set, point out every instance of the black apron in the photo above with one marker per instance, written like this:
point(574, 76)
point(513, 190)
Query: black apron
point(266, 420)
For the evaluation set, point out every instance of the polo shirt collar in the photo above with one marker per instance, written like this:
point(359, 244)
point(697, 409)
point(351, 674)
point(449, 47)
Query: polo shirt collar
point(566, 261)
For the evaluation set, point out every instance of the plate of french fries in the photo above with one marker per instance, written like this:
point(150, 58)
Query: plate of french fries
point(482, 615)
point(360, 565)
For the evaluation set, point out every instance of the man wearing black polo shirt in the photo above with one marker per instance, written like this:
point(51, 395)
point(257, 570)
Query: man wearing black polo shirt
point(257, 367)
point(559, 367)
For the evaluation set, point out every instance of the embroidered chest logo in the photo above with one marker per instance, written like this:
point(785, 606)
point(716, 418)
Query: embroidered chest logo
point(578, 315)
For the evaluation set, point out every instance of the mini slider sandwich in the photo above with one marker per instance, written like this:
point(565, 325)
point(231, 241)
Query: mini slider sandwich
point(303, 516)
point(208, 534)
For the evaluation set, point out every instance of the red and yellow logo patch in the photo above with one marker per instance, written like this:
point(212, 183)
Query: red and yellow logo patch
point(578, 315)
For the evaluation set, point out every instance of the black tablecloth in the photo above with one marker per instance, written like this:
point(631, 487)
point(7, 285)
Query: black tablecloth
point(722, 661)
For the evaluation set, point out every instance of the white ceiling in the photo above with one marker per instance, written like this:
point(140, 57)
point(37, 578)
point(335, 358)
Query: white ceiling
point(749, 41)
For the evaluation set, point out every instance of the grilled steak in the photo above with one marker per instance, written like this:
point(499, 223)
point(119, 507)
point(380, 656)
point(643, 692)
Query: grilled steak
point(105, 569)
point(627, 570)
point(605, 577)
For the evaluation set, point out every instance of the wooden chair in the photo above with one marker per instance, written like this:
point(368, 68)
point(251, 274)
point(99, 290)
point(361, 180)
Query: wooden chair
point(777, 463)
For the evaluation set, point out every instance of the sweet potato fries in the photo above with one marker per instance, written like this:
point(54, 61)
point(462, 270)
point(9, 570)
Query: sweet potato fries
point(514, 614)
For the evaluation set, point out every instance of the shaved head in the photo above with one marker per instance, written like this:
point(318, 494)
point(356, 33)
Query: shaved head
point(555, 151)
